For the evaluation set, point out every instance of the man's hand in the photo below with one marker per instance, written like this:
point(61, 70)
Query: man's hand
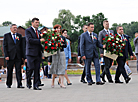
point(104, 46)
point(42, 40)
point(25, 60)
point(43, 57)
point(101, 55)
point(83, 57)
point(7, 58)
point(131, 57)
point(70, 60)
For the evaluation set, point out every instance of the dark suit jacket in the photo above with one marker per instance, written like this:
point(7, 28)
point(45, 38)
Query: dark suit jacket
point(24, 47)
point(64, 43)
point(89, 48)
point(33, 44)
point(128, 48)
point(10, 48)
point(101, 36)
point(79, 45)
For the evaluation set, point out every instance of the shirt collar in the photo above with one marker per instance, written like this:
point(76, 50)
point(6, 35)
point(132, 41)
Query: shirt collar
point(33, 28)
point(120, 34)
point(89, 32)
point(106, 30)
point(12, 33)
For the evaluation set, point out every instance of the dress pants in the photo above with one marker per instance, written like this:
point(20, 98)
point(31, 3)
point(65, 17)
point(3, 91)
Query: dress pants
point(10, 65)
point(88, 69)
point(33, 66)
point(83, 74)
point(120, 68)
point(106, 71)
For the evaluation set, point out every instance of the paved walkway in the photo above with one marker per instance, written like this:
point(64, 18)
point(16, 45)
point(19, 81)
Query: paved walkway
point(78, 92)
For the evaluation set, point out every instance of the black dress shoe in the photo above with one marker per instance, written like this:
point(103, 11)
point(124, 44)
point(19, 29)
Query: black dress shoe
point(29, 86)
point(37, 88)
point(93, 82)
point(8, 86)
point(90, 83)
point(111, 81)
point(118, 81)
point(69, 83)
point(20, 86)
point(102, 78)
point(127, 80)
point(40, 84)
point(83, 81)
point(99, 83)
point(58, 83)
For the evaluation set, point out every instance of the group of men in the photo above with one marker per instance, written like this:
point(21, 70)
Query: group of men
point(28, 49)
point(87, 49)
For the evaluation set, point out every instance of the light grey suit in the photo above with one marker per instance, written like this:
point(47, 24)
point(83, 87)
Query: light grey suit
point(136, 49)
point(108, 61)
point(88, 48)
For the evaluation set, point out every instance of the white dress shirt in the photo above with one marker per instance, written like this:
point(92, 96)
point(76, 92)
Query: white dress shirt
point(35, 30)
point(13, 35)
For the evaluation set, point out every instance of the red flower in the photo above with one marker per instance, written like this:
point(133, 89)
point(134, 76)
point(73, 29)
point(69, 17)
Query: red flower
point(52, 34)
point(55, 47)
point(49, 36)
point(49, 39)
point(106, 35)
point(115, 34)
point(55, 31)
point(103, 38)
point(55, 39)
point(52, 48)
point(108, 40)
point(58, 43)
point(46, 47)
point(117, 50)
point(121, 51)
point(57, 35)
point(46, 42)
point(112, 40)
point(52, 44)
point(120, 37)
point(43, 33)
point(48, 51)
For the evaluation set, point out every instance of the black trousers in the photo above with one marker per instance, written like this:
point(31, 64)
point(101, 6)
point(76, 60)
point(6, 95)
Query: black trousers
point(10, 65)
point(84, 73)
point(120, 68)
point(33, 64)
point(106, 71)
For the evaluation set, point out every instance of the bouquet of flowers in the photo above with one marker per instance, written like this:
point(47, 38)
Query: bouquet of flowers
point(114, 44)
point(52, 43)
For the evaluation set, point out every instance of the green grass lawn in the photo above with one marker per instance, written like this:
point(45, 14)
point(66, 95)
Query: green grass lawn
point(79, 72)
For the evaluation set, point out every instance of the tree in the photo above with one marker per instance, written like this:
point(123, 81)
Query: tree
point(29, 24)
point(65, 17)
point(6, 23)
point(98, 22)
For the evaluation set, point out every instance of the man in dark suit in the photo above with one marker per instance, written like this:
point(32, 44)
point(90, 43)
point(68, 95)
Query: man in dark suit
point(13, 54)
point(33, 53)
point(88, 48)
point(122, 59)
point(107, 61)
point(79, 55)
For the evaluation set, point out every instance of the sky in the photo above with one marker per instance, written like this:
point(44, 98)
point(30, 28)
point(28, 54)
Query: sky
point(20, 11)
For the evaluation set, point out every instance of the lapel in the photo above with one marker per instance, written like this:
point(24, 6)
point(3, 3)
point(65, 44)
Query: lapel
point(94, 40)
point(88, 37)
point(11, 37)
point(33, 32)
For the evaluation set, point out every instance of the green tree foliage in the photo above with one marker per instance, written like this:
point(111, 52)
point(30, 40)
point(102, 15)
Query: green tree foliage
point(98, 22)
point(6, 23)
point(65, 17)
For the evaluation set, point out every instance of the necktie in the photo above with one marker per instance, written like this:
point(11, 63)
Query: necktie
point(91, 36)
point(107, 32)
point(122, 37)
point(37, 34)
point(14, 38)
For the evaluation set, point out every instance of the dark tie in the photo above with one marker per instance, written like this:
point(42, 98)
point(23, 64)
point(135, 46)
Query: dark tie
point(107, 32)
point(91, 36)
point(122, 37)
point(37, 34)
point(14, 38)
